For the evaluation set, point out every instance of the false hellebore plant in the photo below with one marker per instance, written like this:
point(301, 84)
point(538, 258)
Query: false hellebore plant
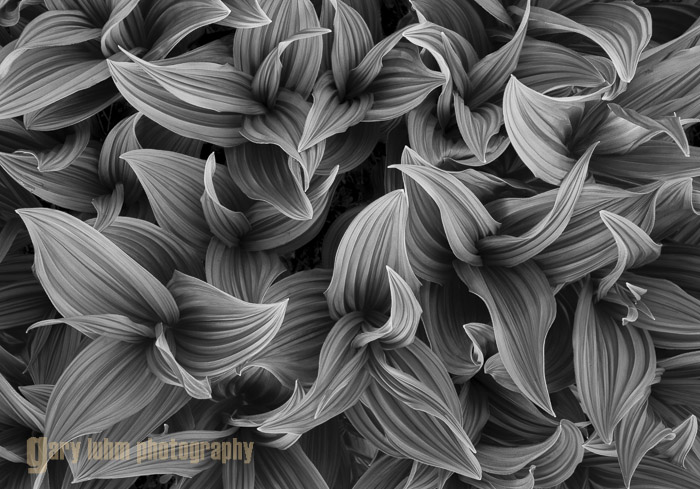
point(389, 244)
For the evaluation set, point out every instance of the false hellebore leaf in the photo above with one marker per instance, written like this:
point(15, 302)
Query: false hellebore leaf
point(621, 29)
point(464, 218)
point(510, 250)
point(539, 127)
point(520, 328)
point(245, 14)
point(84, 273)
point(614, 364)
point(412, 399)
point(342, 378)
point(174, 184)
point(217, 333)
point(376, 238)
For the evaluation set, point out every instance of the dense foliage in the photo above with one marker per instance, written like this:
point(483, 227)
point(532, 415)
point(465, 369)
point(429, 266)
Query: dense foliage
point(394, 244)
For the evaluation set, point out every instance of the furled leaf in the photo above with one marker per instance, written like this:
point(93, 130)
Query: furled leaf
point(111, 326)
point(621, 29)
point(283, 126)
point(539, 127)
point(464, 218)
point(400, 329)
point(217, 332)
point(374, 239)
point(293, 354)
point(341, 381)
point(265, 172)
point(510, 250)
point(245, 14)
point(227, 224)
point(520, 329)
point(300, 61)
point(401, 85)
point(330, 115)
point(635, 248)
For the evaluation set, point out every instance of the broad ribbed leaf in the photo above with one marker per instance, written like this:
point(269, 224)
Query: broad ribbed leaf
point(286, 468)
point(342, 379)
point(174, 184)
point(634, 247)
point(520, 328)
point(418, 413)
point(638, 432)
point(170, 21)
point(401, 85)
point(112, 326)
point(132, 466)
point(491, 72)
point(446, 309)
point(226, 224)
point(132, 430)
point(107, 382)
point(464, 218)
point(457, 16)
point(243, 274)
point(352, 41)
point(626, 129)
point(300, 61)
point(374, 239)
point(621, 29)
point(370, 66)
point(675, 313)
point(84, 273)
point(16, 410)
point(272, 230)
point(211, 86)
point(614, 364)
point(330, 114)
point(217, 332)
point(385, 472)
point(265, 172)
point(539, 127)
point(585, 245)
point(51, 29)
point(283, 126)
point(153, 248)
point(652, 161)
point(400, 329)
point(164, 365)
point(293, 354)
point(548, 67)
point(652, 473)
point(349, 149)
point(679, 380)
point(558, 455)
point(266, 82)
point(72, 188)
point(108, 207)
point(40, 77)
point(150, 98)
point(245, 14)
point(510, 250)
point(480, 127)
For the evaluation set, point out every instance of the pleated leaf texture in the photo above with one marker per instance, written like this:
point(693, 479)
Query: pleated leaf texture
point(349, 244)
